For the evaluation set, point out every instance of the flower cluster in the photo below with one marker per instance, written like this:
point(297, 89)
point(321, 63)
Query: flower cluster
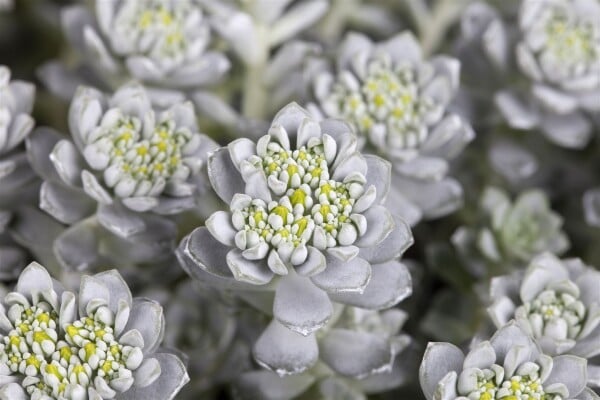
point(306, 219)
point(508, 366)
point(399, 103)
point(314, 190)
point(557, 51)
point(99, 344)
point(554, 301)
point(160, 42)
point(514, 232)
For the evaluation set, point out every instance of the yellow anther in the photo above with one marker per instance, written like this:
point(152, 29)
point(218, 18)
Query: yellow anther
point(146, 19)
point(31, 360)
point(65, 353)
point(53, 369)
point(282, 212)
point(284, 233)
point(162, 145)
point(398, 112)
point(142, 150)
point(106, 367)
point(326, 189)
point(77, 369)
point(298, 197)
point(41, 336)
point(100, 333)
point(114, 350)
point(485, 396)
point(165, 17)
point(24, 328)
point(258, 216)
point(379, 100)
point(292, 169)
point(515, 385)
point(43, 318)
point(29, 312)
point(90, 350)
point(302, 223)
point(159, 167)
point(325, 209)
point(14, 340)
point(316, 172)
point(72, 331)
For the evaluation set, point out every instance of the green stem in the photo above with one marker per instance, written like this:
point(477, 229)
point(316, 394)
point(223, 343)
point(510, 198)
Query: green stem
point(255, 93)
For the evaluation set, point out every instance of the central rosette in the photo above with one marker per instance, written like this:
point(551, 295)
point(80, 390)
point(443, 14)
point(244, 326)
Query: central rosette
point(160, 29)
point(387, 102)
point(557, 313)
point(492, 384)
point(138, 159)
point(312, 208)
point(62, 362)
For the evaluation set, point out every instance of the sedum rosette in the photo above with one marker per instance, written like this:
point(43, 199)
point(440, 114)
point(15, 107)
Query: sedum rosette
point(509, 366)
point(399, 103)
point(17, 180)
point(360, 352)
point(126, 166)
point(159, 42)
point(516, 231)
point(305, 220)
point(98, 344)
point(557, 53)
point(555, 301)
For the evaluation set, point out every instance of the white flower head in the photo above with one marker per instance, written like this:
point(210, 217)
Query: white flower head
point(306, 219)
point(98, 345)
point(555, 301)
point(508, 366)
point(125, 151)
point(159, 42)
point(392, 96)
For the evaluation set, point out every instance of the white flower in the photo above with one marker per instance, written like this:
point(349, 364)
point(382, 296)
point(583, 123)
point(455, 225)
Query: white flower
point(397, 103)
point(100, 344)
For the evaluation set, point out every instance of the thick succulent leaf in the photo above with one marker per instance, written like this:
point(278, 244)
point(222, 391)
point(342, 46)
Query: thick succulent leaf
point(173, 376)
point(300, 305)
point(147, 317)
point(270, 386)
point(439, 360)
point(390, 283)
point(284, 351)
point(356, 354)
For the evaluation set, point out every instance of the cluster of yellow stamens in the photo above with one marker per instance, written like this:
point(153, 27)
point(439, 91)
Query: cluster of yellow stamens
point(390, 97)
point(150, 160)
point(309, 199)
point(62, 363)
point(493, 385)
point(159, 25)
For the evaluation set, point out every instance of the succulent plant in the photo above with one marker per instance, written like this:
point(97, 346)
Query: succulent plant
point(508, 366)
point(124, 170)
point(556, 302)
point(514, 232)
point(305, 220)
point(399, 104)
point(98, 344)
point(163, 43)
point(557, 52)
